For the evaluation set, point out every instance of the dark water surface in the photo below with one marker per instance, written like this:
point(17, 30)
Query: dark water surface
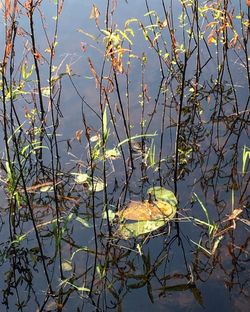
point(197, 262)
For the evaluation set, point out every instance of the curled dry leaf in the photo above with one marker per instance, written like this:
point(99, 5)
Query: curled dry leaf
point(236, 212)
point(95, 13)
point(78, 135)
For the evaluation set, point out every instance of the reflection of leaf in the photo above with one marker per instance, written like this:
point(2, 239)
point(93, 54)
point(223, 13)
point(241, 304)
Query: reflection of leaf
point(134, 229)
point(183, 287)
point(140, 284)
point(160, 193)
point(197, 295)
point(178, 287)
point(150, 292)
point(147, 211)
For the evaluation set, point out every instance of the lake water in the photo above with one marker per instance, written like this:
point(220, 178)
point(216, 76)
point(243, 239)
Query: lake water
point(182, 95)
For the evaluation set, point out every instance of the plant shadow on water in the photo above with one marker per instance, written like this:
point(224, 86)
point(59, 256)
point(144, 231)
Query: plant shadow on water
point(125, 188)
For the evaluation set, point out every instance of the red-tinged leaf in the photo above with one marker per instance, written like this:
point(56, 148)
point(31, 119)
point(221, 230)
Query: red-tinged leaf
point(37, 55)
point(27, 5)
point(83, 46)
point(7, 9)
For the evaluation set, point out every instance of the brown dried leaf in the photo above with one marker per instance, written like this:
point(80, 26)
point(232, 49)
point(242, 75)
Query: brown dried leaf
point(93, 71)
point(147, 211)
point(39, 187)
point(233, 215)
point(78, 135)
point(7, 9)
point(95, 13)
point(248, 3)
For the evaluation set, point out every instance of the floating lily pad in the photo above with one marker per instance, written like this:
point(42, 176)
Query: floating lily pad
point(160, 193)
point(134, 229)
point(143, 217)
point(147, 211)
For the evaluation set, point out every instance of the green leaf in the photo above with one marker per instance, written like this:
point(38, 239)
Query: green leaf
point(124, 35)
point(134, 229)
point(105, 125)
point(129, 21)
point(160, 193)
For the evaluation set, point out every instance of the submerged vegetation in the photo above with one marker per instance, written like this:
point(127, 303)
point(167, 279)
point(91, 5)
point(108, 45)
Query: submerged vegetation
point(125, 154)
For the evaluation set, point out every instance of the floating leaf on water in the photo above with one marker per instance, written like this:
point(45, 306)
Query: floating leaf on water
point(48, 188)
point(66, 266)
point(160, 193)
point(112, 153)
point(81, 178)
point(197, 295)
point(98, 185)
point(111, 215)
point(94, 138)
point(134, 229)
point(148, 211)
point(42, 187)
point(83, 222)
point(148, 215)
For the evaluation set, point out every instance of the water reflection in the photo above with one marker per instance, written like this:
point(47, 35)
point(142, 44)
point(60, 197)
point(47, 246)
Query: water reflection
point(167, 106)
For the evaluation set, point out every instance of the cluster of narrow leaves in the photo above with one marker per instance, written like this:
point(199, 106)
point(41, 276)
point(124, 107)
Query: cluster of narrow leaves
point(139, 218)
